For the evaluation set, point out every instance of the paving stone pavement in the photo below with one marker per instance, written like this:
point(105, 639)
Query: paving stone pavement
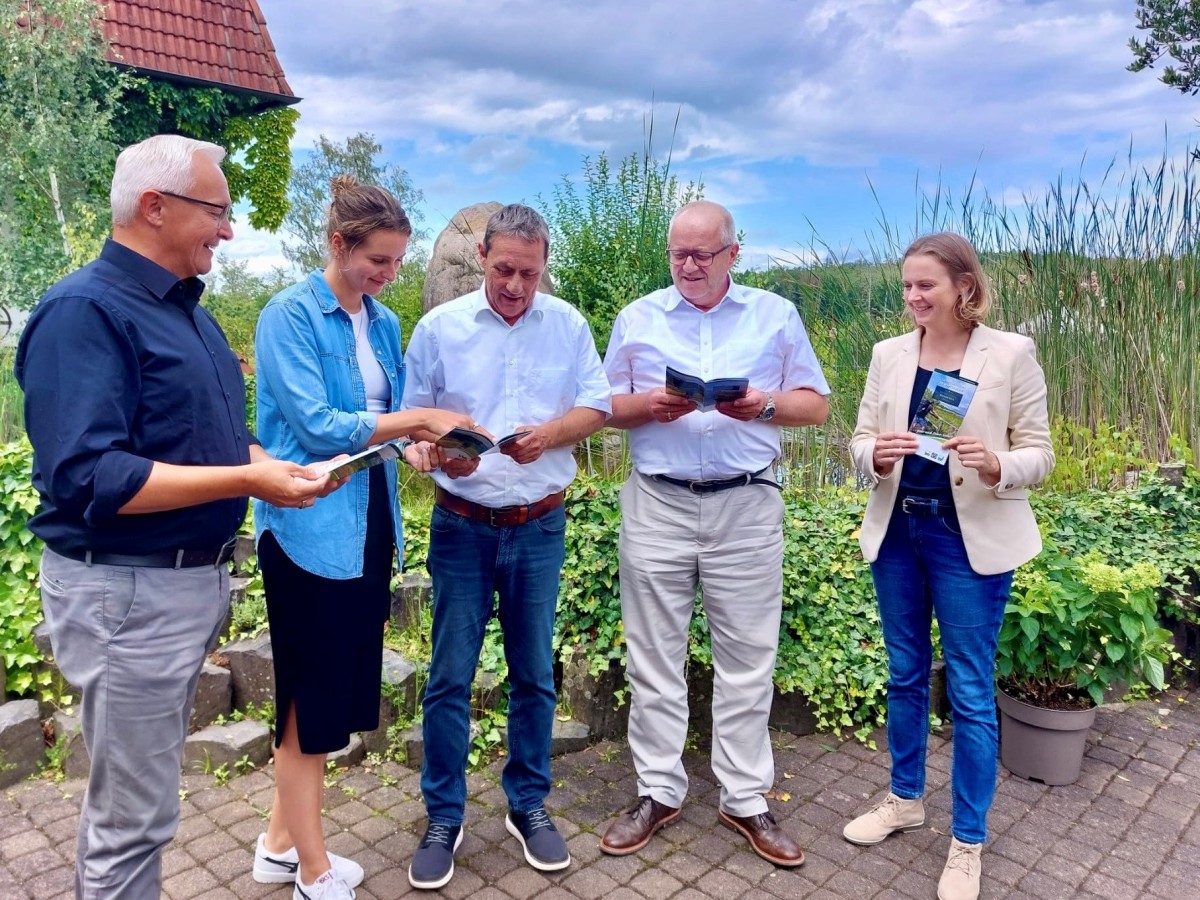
point(1129, 828)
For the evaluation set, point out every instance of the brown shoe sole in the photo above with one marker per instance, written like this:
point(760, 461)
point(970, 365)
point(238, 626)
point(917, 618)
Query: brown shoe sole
point(734, 826)
point(634, 848)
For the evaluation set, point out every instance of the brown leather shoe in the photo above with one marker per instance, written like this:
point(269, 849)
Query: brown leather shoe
point(632, 831)
point(766, 838)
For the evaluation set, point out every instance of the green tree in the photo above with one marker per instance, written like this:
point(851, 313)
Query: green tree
point(57, 95)
point(308, 199)
point(608, 242)
point(1174, 32)
point(308, 193)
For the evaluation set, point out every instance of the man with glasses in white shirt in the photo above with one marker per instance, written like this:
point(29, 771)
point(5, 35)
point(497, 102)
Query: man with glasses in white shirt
point(702, 509)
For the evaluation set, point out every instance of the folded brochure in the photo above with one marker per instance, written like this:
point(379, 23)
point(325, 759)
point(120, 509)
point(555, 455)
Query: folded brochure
point(940, 413)
point(461, 443)
point(705, 394)
point(372, 456)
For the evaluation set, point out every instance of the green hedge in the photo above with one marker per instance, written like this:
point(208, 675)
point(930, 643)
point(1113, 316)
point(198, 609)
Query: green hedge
point(830, 648)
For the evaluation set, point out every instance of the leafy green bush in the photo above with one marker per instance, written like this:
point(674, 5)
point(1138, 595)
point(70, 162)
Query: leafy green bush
point(20, 554)
point(608, 246)
point(1077, 626)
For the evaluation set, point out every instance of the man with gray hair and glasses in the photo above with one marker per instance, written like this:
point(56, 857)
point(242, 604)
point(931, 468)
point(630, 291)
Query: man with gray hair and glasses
point(135, 407)
point(519, 362)
point(702, 510)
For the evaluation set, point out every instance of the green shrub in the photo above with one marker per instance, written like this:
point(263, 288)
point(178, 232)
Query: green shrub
point(20, 554)
point(1076, 627)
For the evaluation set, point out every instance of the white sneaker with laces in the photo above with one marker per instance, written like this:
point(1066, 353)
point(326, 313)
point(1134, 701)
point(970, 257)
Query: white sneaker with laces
point(327, 887)
point(960, 878)
point(281, 868)
point(888, 816)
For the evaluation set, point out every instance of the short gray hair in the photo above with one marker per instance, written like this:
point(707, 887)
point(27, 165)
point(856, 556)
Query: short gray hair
point(519, 221)
point(728, 231)
point(159, 163)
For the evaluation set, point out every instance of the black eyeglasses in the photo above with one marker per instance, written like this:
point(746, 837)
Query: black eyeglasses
point(223, 209)
point(701, 258)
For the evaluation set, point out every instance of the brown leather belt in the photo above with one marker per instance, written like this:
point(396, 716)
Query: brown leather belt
point(501, 517)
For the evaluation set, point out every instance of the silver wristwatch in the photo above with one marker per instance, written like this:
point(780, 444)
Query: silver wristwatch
point(768, 411)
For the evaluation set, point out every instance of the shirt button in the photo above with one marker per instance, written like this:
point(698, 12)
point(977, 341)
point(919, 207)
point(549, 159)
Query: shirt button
point(958, 481)
point(1009, 486)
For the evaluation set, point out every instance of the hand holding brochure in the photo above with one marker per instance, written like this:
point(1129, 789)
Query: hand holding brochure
point(705, 394)
point(462, 443)
point(940, 413)
point(343, 468)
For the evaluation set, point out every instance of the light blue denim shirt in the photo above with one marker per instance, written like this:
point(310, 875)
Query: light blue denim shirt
point(312, 406)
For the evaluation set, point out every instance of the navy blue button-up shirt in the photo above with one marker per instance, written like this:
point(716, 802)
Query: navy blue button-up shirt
point(122, 368)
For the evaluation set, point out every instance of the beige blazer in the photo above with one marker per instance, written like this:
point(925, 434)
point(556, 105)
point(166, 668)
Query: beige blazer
point(1008, 413)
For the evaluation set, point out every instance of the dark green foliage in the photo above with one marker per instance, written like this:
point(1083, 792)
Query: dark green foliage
point(1174, 32)
point(150, 106)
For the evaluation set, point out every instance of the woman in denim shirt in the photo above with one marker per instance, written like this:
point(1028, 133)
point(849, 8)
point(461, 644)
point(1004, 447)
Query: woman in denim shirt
point(330, 381)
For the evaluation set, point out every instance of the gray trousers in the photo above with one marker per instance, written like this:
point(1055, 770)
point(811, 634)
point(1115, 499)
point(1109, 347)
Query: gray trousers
point(731, 543)
point(133, 641)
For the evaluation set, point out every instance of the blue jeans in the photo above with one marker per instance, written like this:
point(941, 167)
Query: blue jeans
point(469, 563)
point(922, 570)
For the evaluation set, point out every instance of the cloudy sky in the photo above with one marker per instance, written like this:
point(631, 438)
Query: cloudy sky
point(799, 116)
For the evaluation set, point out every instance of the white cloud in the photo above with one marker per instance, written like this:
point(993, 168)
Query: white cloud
point(497, 102)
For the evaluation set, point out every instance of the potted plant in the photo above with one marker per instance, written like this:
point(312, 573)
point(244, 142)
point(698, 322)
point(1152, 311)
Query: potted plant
point(1073, 629)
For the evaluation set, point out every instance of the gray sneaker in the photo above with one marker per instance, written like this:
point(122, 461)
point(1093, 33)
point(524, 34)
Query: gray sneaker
point(890, 815)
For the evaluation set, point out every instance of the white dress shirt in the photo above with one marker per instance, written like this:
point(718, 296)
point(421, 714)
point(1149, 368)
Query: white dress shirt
point(750, 334)
point(464, 357)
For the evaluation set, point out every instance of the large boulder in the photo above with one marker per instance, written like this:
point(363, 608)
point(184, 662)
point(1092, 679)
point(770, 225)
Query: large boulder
point(454, 268)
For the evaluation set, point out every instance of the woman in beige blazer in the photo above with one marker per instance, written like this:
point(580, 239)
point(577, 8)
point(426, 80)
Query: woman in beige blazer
point(943, 539)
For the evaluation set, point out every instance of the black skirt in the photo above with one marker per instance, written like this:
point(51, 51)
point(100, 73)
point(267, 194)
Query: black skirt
point(327, 634)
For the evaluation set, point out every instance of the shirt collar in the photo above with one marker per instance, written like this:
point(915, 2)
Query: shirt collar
point(327, 300)
point(162, 283)
point(735, 293)
point(480, 307)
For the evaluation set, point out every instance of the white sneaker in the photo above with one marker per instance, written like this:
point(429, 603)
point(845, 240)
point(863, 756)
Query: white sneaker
point(281, 868)
point(890, 815)
point(327, 887)
point(960, 878)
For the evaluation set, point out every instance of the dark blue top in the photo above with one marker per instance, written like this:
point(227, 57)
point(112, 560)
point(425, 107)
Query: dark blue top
point(921, 477)
point(122, 368)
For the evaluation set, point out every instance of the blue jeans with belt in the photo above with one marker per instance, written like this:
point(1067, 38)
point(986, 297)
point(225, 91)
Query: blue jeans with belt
point(470, 562)
point(922, 570)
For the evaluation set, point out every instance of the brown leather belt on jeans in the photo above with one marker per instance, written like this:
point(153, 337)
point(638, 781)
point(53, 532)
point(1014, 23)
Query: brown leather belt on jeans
point(501, 517)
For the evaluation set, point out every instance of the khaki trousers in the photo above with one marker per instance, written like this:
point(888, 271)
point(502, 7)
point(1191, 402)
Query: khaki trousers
point(730, 545)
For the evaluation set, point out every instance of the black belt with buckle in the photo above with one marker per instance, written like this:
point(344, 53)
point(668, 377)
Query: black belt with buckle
point(928, 506)
point(163, 559)
point(720, 484)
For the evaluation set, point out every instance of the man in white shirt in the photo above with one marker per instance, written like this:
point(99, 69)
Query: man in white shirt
point(702, 508)
point(516, 361)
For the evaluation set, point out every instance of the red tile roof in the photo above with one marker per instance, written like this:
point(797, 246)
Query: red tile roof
point(217, 42)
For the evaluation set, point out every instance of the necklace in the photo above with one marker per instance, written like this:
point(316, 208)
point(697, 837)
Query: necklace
point(361, 322)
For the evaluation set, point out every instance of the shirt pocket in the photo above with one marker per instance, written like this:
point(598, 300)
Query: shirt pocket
point(550, 392)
